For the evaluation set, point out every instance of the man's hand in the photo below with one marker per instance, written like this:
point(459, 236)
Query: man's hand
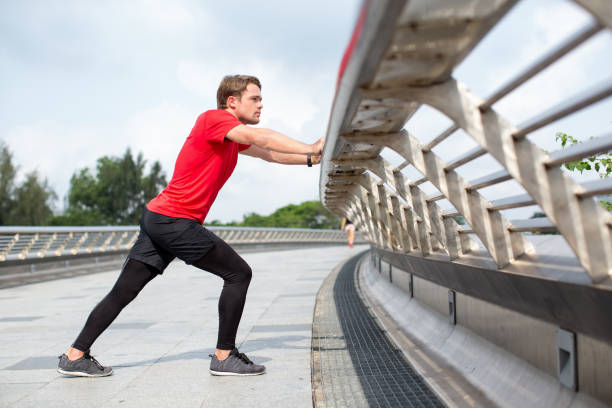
point(315, 159)
point(317, 149)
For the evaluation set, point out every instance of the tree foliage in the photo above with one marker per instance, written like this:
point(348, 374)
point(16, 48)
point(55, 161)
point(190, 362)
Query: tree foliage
point(7, 187)
point(32, 199)
point(115, 194)
point(309, 214)
point(26, 204)
point(601, 164)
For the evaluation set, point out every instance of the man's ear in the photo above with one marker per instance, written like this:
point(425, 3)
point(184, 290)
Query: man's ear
point(231, 102)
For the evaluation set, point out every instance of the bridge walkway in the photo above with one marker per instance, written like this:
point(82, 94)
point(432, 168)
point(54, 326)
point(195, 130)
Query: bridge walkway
point(159, 345)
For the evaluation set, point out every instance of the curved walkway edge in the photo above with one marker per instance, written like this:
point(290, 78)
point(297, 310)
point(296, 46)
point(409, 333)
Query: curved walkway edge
point(353, 362)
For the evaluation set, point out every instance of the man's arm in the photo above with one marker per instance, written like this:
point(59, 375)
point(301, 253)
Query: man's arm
point(276, 157)
point(272, 141)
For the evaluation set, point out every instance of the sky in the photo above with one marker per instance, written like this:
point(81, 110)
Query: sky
point(84, 79)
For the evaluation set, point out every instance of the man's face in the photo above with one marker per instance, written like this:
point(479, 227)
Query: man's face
point(248, 107)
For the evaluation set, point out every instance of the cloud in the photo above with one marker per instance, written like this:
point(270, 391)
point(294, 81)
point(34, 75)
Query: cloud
point(90, 79)
point(158, 133)
point(166, 15)
point(76, 87)
point(288, 102)
point(35, 147)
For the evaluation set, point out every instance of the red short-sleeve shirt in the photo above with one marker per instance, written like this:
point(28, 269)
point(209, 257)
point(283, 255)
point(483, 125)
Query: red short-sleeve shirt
point(205, 162)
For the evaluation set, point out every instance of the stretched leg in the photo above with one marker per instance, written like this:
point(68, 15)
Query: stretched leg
point(134, 276)
point(223, 261)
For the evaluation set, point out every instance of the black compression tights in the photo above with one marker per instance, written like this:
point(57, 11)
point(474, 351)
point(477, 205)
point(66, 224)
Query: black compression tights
point(221, 260)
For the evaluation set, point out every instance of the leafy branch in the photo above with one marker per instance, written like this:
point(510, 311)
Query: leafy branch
point(601, 164)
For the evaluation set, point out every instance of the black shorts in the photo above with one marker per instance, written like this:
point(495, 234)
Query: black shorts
point(163, 238)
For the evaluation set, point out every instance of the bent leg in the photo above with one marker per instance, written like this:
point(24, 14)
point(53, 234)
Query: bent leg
point(134, 276)
point(224, 262)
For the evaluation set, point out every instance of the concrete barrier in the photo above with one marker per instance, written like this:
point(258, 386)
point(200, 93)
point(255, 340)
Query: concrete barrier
point(510, 357)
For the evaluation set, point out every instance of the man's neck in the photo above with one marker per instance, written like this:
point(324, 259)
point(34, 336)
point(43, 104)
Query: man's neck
point(234, 114)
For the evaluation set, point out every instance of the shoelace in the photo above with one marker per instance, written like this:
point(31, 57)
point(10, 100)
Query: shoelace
point(96, 362)
point(244, 358)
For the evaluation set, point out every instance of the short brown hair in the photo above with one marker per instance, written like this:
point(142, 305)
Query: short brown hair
point(233, 85)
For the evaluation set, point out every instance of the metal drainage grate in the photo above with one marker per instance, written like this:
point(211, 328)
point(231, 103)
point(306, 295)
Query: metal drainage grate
point(386, 378)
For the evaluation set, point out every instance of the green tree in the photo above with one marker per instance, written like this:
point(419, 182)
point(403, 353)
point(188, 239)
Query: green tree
point(154, 181)
point(32, 202)
point(26, 204)
point(115, 194)
point(253, 219)
point(601, 164)
point(216, 223)
point(309, 214)
point(7, 180)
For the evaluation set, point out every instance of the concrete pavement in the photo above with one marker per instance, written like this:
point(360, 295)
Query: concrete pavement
point(159, 345)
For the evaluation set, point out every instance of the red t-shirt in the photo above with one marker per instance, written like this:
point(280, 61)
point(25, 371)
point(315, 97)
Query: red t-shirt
point(204, 164)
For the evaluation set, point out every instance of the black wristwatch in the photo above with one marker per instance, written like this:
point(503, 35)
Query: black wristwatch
point(309, 160)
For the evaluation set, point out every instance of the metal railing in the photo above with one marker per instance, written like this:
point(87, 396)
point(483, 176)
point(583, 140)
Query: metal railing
point(404, 59)
point(35, 243)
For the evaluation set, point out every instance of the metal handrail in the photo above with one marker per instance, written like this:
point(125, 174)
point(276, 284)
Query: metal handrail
point(22, 243)
point(377, 95)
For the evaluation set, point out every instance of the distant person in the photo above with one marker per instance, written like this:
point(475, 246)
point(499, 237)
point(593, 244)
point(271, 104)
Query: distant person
point(171, 225)
point(349, 227)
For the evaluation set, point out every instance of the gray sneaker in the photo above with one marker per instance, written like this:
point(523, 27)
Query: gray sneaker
point(86, 366)
point(235, 364)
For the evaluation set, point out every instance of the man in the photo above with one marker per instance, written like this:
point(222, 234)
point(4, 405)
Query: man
point(171, 225)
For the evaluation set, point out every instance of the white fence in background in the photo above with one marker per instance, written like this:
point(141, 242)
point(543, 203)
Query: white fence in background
point(27, 243)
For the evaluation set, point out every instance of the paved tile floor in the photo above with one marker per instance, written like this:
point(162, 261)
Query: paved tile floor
point(159, 345)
